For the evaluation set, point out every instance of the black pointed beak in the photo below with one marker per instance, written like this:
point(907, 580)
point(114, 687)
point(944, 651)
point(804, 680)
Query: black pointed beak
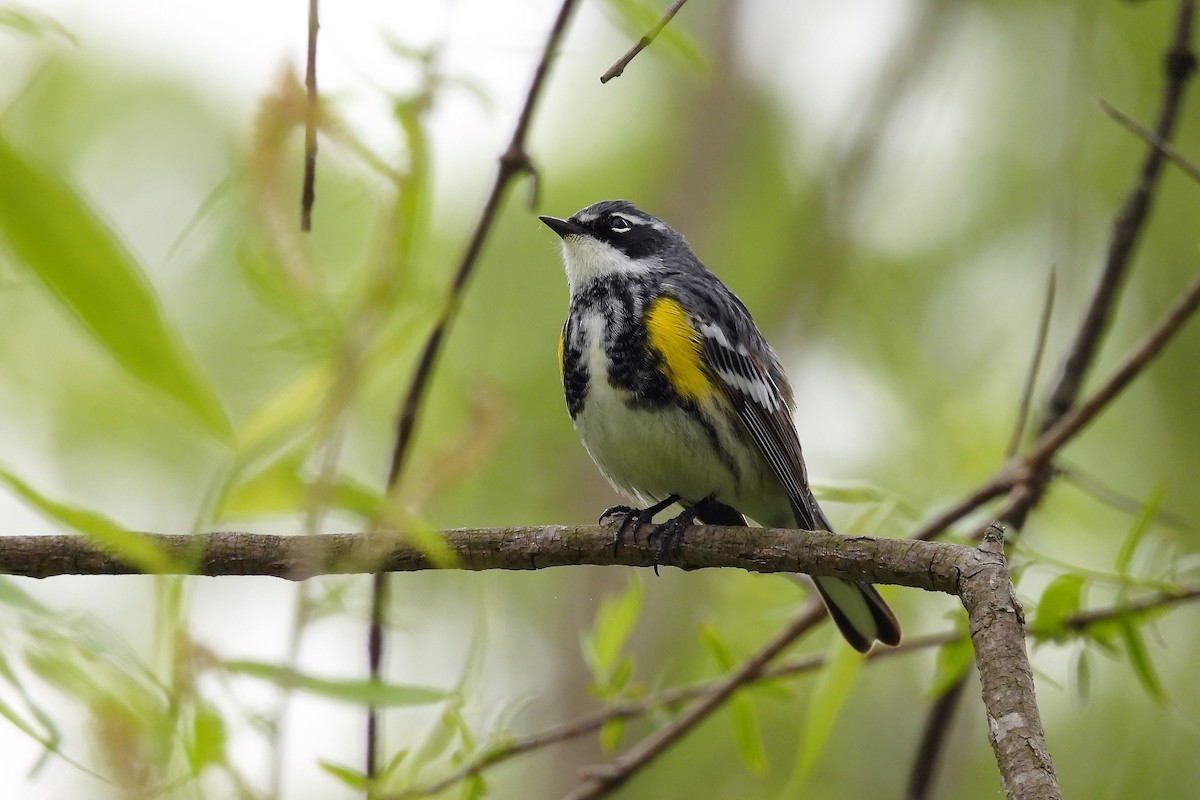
point(564, 227)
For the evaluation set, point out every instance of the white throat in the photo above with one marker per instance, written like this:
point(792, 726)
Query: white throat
point(586, 259)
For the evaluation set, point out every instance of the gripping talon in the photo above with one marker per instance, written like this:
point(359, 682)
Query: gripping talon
point(632, 517)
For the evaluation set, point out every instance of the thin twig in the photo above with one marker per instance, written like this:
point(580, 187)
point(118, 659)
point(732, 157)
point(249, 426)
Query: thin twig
point(1035, 365)
point(513, 163)
point(933, 740)
point(672, 698)
point(1099, 491)
point(1151, 138)
point(308, 192)
point(1128, 227)
point(604, 778)
point(1077, 418)
point(616, 69)
point(1126, 230)
point(666, 699)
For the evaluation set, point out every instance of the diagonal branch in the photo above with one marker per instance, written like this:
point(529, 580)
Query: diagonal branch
point(1128, 226)
point(1126, 231)
point(616, 69)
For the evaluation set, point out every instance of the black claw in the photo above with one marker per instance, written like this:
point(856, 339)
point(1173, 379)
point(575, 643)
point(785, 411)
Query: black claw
point(631, 517)
point(670, 533)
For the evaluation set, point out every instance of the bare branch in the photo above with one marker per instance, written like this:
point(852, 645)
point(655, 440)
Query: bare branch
point(933, 740)
point(604, 778)
point(1128, 226)
point(666, 699)
point(1035, 365)
point(616, 69)
point(308, 192)
point(1074, 421)
point(1151, 138)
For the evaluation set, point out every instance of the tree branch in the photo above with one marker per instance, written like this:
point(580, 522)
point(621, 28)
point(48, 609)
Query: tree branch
point(978, 576)
point(308, 191)
point(616, 69)
point(1127, 227)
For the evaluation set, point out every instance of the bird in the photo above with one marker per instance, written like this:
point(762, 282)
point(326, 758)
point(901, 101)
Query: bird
point(678, 397)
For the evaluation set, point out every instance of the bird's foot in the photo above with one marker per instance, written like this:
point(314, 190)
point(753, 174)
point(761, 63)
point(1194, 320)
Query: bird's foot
point(631, 519)
point(670, 533)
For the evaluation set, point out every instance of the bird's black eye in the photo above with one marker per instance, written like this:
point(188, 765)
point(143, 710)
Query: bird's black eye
point(618, 224)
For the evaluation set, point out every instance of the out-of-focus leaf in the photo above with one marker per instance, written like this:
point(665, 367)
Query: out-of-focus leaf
point(614, 623)
point(829, 698)
point(348, 775)
point(953, 661)
point(865, 493)
point(16, 597)
point(611, 733)
point(1083, 675)
point(133, 547)
point(34, 24)
point(281, 488)
point(51, 230)
point(1062, 598)
point(1139, 659)
point(208, 739)
point(1139, 528)
point(291, 410)
point(746, 734)
point(474, 787)
point(361, 692)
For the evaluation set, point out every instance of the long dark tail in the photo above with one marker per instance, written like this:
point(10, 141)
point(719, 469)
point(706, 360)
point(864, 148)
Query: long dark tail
point(856, 607)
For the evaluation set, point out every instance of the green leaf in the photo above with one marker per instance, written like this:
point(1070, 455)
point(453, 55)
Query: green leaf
point(34, 25)
point(349, 690)
point(611, 733)
point(208, 739)
point(291, 410)
point(473, 787)
point(830, 693)
point(953, 661)
point(74, 255)
point(137, 549)
point(1140, 527)
point(615, 620)
point(348, 775)
point(281, 488)
point(1062, 598)
point(1139, 659)
point(1083, 676)
point(746, 734)
point(16, 597)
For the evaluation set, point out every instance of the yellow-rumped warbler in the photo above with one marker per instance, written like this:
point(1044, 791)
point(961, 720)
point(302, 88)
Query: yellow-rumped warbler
point(678, 397)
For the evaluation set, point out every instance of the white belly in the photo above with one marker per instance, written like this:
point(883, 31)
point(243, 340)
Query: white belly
point(651, 454)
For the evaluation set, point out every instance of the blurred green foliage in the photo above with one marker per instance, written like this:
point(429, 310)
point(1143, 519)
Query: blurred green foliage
point(176, 356)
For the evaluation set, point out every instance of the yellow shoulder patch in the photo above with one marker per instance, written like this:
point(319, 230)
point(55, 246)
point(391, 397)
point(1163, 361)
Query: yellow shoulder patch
point(670, 333)
point(562, 343)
